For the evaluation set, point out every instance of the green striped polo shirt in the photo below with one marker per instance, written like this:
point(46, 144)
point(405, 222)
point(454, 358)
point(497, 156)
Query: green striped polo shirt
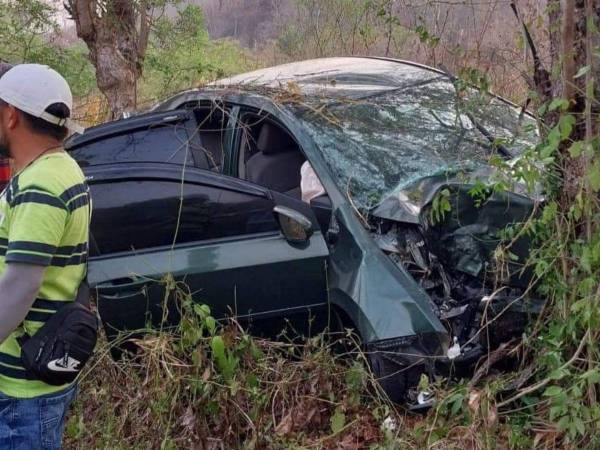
point(44, 220)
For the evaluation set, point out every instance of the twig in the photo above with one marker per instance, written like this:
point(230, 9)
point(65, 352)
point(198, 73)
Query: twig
point(545, 381)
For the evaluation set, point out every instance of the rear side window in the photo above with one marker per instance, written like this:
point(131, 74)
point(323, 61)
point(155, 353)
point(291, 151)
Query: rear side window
point(163, 144)
point(144, 214)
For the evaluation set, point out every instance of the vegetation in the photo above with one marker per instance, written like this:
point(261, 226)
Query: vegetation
point(179, 55)
point(216, 387)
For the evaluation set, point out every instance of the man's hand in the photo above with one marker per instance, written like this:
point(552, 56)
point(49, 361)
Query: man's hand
point(19, 286)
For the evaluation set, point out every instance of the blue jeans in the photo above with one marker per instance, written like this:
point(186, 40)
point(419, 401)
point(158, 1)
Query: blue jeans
point(34, 423)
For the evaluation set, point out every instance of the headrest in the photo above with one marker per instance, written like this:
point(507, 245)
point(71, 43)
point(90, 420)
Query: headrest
point(273, 139)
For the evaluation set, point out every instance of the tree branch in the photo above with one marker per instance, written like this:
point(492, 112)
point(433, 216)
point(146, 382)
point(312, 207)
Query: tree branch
point(545, 381)
point(84, 14)
point(541, 77)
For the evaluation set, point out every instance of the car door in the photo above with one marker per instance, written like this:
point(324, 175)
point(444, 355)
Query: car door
point(216, 235)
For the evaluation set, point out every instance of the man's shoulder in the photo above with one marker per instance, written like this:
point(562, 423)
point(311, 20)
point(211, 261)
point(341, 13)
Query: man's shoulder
point(54, 174)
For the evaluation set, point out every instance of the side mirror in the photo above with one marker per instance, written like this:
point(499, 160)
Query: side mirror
point(295, 226)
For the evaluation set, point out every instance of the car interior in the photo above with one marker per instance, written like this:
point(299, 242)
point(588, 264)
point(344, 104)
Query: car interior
point(212, 129)
point(269, 156)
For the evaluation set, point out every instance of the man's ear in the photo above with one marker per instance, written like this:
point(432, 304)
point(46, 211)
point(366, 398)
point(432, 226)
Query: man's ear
point(11, 116)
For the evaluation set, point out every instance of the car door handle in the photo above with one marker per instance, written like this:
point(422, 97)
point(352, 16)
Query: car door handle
point(122, 288)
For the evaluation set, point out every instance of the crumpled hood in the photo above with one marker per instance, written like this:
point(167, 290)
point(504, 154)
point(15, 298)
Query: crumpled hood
point(407, 203)
point(465, 238)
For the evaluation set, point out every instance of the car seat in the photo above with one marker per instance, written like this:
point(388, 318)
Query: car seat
point(277, 163)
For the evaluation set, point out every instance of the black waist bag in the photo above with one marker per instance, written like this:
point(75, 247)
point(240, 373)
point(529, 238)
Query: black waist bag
point(59, 350)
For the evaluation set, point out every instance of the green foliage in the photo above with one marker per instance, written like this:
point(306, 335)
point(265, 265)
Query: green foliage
point(27, 34)
point(201, 381)
point(479, 192)
point(472, 77)
point(338, 421)
point(180, 54)
point(426, 37)
point(568, 266)
point(226, 360)
point(440, 206)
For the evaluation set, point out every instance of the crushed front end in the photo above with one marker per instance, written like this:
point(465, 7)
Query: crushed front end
point(470, 258)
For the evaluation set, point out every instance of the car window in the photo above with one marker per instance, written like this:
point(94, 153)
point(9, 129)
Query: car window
point(268, 155)
point(169, 143)
point(212, 128)
point(143, 214)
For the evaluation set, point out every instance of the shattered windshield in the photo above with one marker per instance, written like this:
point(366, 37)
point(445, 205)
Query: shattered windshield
point(381, 143)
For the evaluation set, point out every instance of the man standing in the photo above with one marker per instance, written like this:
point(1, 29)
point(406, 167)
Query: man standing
point(44, 227)
point(4, 162)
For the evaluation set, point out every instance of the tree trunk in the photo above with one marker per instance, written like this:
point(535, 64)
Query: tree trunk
point(117, 49)
point(116, 79)
point(572, 35)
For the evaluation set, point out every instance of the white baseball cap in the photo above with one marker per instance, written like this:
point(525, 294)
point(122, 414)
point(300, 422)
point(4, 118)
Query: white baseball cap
point(33, 87)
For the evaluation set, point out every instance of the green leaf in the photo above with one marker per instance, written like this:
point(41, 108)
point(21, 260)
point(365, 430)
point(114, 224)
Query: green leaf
point(201, 310)
point(586, 260)
point(593, 176)
point(563, 423)
point(592, 376)
point(558, 374)
point(256, 352)
point(211, 324)
point(338, 421)
point(552, 391)
point(252, 380)
point(558, 103)
point(576, 149)
point(217, 346)
point(565, 125)
point(582, 71)
point(579, 425)
point(457, 403)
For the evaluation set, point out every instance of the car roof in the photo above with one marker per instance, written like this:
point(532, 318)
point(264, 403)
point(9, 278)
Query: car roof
point(337, 76)
point(339, 71)
point(121, 126)
point(352, 77)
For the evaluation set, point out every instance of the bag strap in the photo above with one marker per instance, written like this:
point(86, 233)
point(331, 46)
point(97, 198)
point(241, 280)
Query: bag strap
point(83, 293)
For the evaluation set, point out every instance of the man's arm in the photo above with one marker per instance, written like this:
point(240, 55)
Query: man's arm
point(19, 286)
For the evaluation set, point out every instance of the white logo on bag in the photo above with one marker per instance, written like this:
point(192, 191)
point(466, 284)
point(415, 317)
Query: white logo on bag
point(60, 365)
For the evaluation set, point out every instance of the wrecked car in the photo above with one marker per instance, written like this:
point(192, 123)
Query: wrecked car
point(403, 247)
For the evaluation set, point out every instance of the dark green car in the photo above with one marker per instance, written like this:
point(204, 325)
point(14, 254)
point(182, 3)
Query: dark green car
point(396, 237)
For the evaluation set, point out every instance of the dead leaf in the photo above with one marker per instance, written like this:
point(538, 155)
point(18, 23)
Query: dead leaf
point(189, 419)
point(284, 427)
point(474, 400)
point(492, 416)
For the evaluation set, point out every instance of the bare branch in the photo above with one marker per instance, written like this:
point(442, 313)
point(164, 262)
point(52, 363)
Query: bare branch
point(84, 14)
point(541, 77)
